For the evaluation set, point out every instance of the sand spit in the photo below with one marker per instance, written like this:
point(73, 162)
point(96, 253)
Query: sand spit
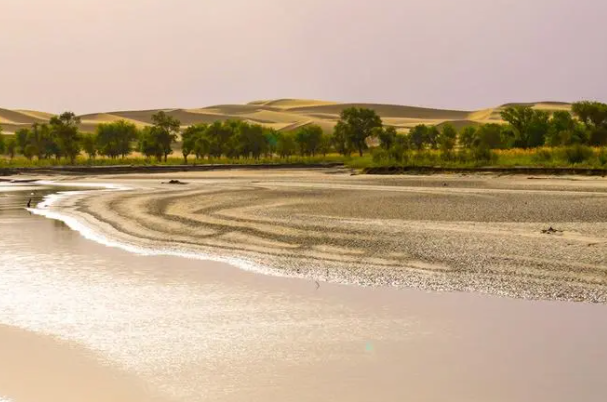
point(450, 233)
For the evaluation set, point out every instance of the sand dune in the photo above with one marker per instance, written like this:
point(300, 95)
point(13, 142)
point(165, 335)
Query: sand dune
point(283, 114)
point(16, 117)
point(291, 103)
point(36, 115)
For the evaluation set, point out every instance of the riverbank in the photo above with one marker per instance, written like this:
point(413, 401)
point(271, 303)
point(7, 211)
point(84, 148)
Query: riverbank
point(376, 170)
point(126, 169)
point(539, 239)
point(503, 170)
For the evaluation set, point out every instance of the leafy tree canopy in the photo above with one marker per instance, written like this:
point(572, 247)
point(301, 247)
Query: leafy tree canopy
point(358, 124)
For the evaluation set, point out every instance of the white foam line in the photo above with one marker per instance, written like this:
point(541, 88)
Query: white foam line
point(4, 399)
point(43, 209)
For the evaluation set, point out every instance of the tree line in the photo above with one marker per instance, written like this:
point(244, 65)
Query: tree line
point(525, 127)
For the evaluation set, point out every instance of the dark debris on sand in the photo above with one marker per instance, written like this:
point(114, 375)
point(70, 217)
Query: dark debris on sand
point(551, 230)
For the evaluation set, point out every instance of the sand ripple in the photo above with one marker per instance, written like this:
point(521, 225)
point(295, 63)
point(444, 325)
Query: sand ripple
point(479, 234)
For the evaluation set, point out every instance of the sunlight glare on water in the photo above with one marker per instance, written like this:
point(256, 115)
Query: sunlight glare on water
point(162, 316)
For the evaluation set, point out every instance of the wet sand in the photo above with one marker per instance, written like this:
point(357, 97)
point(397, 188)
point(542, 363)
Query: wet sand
point(448, 233)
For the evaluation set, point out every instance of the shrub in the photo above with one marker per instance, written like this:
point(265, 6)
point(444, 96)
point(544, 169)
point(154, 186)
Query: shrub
point(602, 156)
point(463, 156)
point(447, 156)
point(577, 153)
point(424, 158)
point(399, 154)
point(483, 154)
point(543, 155)
point(380, 155)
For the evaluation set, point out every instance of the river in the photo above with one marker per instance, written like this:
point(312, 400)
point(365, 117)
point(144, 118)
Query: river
point(192, 330)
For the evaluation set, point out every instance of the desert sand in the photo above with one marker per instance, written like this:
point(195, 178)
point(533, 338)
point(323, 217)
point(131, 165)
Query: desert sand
point(283, 114)
point(476, 233)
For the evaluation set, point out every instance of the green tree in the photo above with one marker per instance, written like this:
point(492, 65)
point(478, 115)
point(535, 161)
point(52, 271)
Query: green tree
point(2, 142)
point(202, 147)
point(418, 136)
point(488, 136)
point(594, 116)
point(467, 136)
point(29, 141)
point(400, 148)
point(164, 132)
point(309, 139)
point(325, 144)
point(114, 139)
point(530, 126)
point(89, 145)
point(538, 129)
point(149, 144)
point(358, 125)
point(189, 140)
point(508, 136)
point(65, 132)
point(11, 147)
point(286, 146)
point(339, 139)
point(21, 137)
point(219, 136)
point(432, 136)
point(519, 117)
point(271, 139)
point(29, 151)
point(387, 137)
point(447, 138)
point(590, 113)
point(41, 137)
point(562, 125)
point(251, 140)
point(578, 135)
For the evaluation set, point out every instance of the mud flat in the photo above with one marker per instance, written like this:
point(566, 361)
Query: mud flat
point(481, 233)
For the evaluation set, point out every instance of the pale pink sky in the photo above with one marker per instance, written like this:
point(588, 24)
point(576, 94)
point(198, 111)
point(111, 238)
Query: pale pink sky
point(103, 55)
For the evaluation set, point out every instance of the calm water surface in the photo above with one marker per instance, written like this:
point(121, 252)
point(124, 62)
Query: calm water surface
point(199, 331)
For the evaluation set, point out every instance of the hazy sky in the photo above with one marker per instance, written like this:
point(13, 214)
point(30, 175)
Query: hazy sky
point(104, 55)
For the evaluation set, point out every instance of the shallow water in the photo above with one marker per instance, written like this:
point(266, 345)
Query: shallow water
point(199, 331)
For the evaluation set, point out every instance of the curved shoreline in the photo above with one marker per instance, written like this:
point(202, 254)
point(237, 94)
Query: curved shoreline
point(321, 227)
point(92, 227)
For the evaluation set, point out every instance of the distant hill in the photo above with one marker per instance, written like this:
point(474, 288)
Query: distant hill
point(281, 114)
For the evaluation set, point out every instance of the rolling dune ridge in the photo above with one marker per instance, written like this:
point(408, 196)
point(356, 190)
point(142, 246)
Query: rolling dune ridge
point(283, 114)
